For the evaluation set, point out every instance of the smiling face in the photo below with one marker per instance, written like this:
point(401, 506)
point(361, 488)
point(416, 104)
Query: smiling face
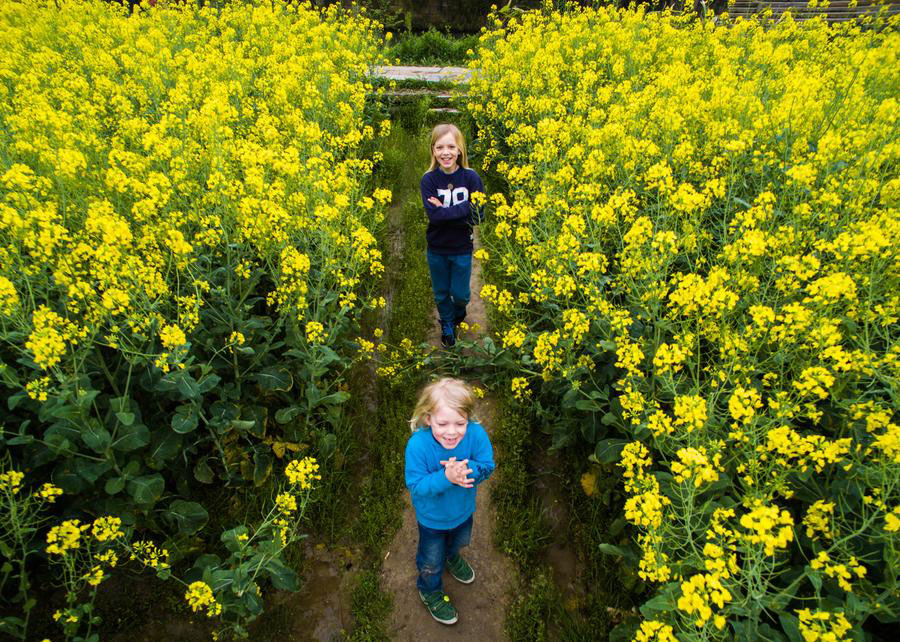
point(447, 425)
point(446, 152)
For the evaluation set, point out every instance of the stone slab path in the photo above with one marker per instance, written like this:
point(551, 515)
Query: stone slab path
point(428, 74)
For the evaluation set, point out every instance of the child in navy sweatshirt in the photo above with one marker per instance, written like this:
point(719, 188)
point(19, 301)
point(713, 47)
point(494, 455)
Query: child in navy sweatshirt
point(447, 456)
point(447, 188)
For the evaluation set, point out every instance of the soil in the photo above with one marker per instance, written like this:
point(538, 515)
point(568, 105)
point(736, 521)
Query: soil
point(482, 605)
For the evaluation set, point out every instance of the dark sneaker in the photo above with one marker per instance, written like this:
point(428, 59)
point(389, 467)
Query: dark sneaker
point(438, 604)
point(460, 570)
point(448, 340)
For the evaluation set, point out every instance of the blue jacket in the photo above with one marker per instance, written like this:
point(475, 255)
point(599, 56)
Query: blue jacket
point(440, 504)
point(450, 226)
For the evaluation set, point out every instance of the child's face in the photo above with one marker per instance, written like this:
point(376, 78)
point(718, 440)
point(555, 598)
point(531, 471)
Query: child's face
point(447, 425)
point(446, 151)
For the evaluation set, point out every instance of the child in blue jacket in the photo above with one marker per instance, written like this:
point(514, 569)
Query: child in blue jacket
point(447, 456)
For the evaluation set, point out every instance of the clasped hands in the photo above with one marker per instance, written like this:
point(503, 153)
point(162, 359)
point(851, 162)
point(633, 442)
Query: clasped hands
point(458, 472)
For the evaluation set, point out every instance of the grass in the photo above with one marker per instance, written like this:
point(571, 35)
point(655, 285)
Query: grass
point(521, 531)
point(378, 503)
point(432, 48)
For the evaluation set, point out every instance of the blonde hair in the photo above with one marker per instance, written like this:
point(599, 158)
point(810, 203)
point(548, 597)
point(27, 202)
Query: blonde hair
point(454, 394)
point(442, 130)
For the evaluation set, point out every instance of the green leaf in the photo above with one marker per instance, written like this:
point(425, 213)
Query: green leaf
point(92, 470)
point(658, 604)
point(209, 561)
point(608, 451)
point(95, 436)
point(327, 445)
point(188, 386)
point(587, 405)
point(335, 398)
point(9, 376)
point(791, 626)
point(262, 467)
point(609, 419)
point(609, 549)
point(166, 445)
point(86, 398)
point(203, 473)
point(190, 516)
point(131, 437)
point(625, 630)
point(209, 382)
point(185, 419)
point(282, 577)
point(243, 424)
point(286, 415)
point(147, 488)
point(816, 580)
point(275, 378)
point(125, 418)
point(13, 400)
point(114, 485)
point(617, 526)
point(231, 538)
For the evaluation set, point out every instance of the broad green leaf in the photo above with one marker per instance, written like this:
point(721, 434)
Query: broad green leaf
point(209, 382)
point(147, 488)
point(282, 577)
point(92, 470)
point(114, 485)
point(327, 444)
point(286, 415)
point(791, 626)
point(609, 549)
point(185, 419)
point(166, 445)
point(126, 418)
point(607, 451)
point(243, 424)
point(659, 604)
point(275, 378)
point(188, 386)
point(587, 405)
point(131, 437)
point(262, 467)
point(95, 436)
point(203, 473)
point(190, 516)
point(336, 398)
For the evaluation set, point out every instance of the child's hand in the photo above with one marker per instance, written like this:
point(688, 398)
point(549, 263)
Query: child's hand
point(457, 472)
point(434, 200)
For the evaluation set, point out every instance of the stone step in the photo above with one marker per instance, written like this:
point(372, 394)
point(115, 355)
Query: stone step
point(427, 74)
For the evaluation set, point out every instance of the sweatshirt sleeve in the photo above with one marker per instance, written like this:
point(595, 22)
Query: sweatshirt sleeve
point(437, 214)
point(482, 460)
point(419, 481)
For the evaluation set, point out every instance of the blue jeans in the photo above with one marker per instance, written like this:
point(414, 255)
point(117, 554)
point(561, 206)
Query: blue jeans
point(435, 548)
point(450, 277)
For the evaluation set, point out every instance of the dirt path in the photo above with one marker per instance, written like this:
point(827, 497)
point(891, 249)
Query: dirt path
point(482, 605)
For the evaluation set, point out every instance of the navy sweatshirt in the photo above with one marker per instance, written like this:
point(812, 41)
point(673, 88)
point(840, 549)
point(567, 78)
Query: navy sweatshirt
point(450, 226)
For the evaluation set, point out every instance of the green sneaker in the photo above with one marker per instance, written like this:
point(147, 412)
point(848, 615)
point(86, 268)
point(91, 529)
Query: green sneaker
point(439, 606)
point(460, 570)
